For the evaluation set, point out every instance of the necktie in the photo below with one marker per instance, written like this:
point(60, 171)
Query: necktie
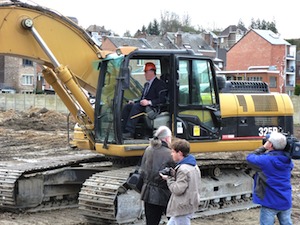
point(146, 88)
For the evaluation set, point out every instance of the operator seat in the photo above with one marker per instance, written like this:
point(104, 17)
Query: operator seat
point(154, 119)
point(158, 116)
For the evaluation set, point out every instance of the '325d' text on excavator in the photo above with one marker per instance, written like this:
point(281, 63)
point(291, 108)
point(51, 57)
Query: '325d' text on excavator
point(214, 115)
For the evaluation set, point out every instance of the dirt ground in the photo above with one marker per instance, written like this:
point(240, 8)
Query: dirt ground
point(41, 129)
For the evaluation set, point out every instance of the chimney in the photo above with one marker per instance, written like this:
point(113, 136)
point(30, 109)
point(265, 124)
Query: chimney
point(178, 39)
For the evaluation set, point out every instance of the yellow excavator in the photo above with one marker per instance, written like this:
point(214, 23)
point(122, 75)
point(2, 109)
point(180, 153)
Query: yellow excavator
point(214, 115)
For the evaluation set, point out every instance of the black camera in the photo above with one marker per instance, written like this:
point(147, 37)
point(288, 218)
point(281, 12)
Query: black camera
point(292, 147)
point(166, 171)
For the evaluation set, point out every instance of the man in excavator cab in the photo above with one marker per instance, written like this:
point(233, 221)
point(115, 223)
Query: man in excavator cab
point(153, 94)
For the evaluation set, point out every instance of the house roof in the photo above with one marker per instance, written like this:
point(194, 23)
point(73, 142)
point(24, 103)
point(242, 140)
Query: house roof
point(96, 28)
point(232, 29)
point(213, 35)
point(271, 37)
point(168, 41)
point(126, 41)
point(160, 42)
point(192, 41)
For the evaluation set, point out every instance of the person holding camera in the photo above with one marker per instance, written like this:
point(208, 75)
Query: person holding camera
point(155, 192)
point(183, 182)
point(272, 180)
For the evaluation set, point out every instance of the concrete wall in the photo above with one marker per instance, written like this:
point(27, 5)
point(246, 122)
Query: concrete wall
point(53, 102)
point(23, 102)
point(296, 104)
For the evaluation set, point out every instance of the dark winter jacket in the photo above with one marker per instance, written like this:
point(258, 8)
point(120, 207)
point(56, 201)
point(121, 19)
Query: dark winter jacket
point(272, 181)
point(155, 190)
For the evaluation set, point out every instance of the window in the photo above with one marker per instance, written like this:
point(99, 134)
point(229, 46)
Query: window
point(195, 87)
point(137, 69)
point(196, 90)
point(27, 79)
point(183, 83)
point(254, 78)
point(27, 62)
point(187, 46)
point(140, 62)
point(273, 82)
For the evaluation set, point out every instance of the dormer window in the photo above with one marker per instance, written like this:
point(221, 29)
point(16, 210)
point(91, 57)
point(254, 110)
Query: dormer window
point(275, 36)
point(187, 46)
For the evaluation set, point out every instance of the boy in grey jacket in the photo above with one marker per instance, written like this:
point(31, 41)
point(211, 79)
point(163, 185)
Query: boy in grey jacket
point(184, 184)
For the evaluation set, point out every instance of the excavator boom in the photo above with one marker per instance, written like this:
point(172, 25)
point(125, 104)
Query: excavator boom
point(70, 44)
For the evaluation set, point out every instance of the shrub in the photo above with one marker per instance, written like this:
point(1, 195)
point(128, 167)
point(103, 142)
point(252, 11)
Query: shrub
point(297, 90)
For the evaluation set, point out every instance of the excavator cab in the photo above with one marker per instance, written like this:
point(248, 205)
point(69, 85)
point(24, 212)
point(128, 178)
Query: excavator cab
point(191, 108)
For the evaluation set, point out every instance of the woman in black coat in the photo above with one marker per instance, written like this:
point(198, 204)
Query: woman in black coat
point(155, 192)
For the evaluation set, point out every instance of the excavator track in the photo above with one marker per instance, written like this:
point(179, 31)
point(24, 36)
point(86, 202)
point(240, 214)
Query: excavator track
point(44, 183)
point(104, 198)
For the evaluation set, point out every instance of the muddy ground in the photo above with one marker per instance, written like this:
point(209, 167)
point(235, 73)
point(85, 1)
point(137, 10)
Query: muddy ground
point(40, 130)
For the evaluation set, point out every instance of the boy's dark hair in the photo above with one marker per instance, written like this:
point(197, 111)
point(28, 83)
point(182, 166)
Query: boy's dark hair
point(181, 145)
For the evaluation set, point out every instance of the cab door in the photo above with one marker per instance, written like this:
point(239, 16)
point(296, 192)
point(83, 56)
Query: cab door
point(196, 103)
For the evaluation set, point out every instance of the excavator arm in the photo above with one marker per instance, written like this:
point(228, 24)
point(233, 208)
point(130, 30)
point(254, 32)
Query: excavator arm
point(68, 42)
point(66, 52)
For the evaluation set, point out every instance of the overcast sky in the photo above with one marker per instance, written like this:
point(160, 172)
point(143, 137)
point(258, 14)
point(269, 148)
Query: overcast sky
point(122, 15)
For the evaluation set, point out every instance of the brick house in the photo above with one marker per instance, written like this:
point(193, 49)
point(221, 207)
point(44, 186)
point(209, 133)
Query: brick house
point(264, 50)
point(254, 74)
point(97, 32)
point(231, 35)
point(224, 40)
point(18, 74)
point(298, 68)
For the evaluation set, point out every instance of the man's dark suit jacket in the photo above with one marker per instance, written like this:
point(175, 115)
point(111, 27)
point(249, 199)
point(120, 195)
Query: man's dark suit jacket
point(156, 94)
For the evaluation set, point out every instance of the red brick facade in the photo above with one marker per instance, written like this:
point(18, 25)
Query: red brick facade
point(254, 50)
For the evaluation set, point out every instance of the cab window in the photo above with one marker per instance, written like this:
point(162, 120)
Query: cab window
point(195, 83)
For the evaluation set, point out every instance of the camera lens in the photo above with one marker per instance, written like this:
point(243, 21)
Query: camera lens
point(166, 171)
